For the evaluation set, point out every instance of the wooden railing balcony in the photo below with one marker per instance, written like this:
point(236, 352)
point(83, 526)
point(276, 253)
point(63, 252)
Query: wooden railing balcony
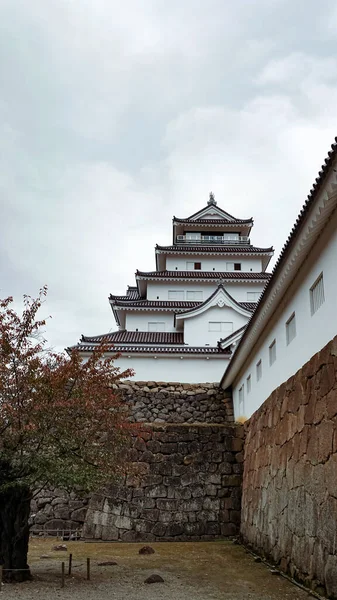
point(213, 239)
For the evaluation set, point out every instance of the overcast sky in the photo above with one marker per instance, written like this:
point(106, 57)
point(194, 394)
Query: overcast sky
point(115, 116)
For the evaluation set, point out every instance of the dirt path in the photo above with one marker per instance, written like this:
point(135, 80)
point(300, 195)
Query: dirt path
point(191, 571)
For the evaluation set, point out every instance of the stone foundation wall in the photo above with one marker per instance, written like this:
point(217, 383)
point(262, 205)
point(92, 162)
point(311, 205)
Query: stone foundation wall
point(57, 512)
point(184, 484)
point(289, 503)
point(159, 402)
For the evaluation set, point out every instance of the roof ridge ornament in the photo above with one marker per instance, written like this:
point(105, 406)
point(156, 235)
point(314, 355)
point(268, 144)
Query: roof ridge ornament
point(211, 200)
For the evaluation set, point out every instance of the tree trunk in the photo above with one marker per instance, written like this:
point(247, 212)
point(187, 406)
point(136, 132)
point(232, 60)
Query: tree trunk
point(14, 533)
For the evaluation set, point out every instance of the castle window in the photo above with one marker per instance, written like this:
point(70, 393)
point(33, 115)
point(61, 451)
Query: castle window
point(317, 294)
point(290, 329)
point(272, 353)
point(193, 236)
point(194, 295)
point(156, 326)
point(222, 326)
point(231, 266)
point(241, 398)
point(176, 295)
point(253, 296)
point(259, 370)
point(193, 266)
point(249, 383)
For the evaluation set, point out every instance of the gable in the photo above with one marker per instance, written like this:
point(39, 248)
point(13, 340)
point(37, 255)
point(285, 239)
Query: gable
point(211, 212)
point(220, 299)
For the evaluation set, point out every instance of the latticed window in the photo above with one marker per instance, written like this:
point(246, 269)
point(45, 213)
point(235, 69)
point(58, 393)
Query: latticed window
point(253, 296)
point(194, 295)
point(176, 295)
point(317, 294)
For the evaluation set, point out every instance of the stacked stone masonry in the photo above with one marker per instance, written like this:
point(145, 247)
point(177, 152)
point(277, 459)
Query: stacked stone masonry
point(58, 512)
point(157, 403)
point(160, 402)
point(184, 483)
point(289, 503)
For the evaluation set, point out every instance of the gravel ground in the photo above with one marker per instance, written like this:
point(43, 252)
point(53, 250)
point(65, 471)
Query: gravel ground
point(191, 571)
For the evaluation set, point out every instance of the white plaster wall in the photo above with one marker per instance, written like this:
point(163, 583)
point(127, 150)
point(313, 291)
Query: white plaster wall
point(312, 331)
point(140, 320)
point(239, 290)
point(196, 329)
point(159, 290)
point(185, 370)
point(214, 263)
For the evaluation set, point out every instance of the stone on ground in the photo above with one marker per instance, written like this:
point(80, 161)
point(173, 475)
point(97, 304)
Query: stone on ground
point(146, 550)
point(60, 547)
point(154, 579)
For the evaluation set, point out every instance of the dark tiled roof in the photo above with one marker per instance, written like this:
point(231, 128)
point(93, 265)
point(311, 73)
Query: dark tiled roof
point(132, 292)
point(204, 275)
point(136, 337)
point(174, 305)
point(167, 304)
point(225, 222)
point(153, 349)
point(232, 249)
point(248, 305)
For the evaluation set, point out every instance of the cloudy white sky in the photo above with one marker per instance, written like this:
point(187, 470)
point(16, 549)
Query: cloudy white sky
point(115, 116)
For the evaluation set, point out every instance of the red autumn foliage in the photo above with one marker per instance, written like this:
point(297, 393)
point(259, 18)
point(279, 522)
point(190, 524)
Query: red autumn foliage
point(61, 423)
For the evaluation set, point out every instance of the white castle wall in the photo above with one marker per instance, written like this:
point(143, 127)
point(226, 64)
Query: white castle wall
point(159, 290)
point(313, 332)
point(196, 329)
point(140, 320)
point(214, 263)
point(187, 369)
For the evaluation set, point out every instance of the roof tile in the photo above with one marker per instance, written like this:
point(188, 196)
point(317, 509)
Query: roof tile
point(204, 275)
point(137, 337)
point(190, 248)
point(224, 222)
point(154, 349)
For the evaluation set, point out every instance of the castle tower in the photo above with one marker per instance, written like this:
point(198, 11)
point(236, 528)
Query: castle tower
point(181, 322)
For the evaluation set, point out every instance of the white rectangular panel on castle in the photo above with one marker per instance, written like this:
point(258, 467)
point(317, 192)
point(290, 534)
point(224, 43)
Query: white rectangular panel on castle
point(210, 326)
point(214, 263)
point(239, 291)
point(163, 290)
point(185, 369)
point(296, 331)
point(245, 292)
point(150, 321)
